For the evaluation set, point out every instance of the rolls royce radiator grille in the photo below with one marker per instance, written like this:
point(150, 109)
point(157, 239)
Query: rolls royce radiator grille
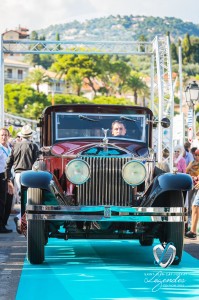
point(106, 185)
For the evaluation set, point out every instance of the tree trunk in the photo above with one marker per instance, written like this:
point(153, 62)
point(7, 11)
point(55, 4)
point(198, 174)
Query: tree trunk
point(144, 101)
point(78, 91)
point(92, 85)
point(135, 97)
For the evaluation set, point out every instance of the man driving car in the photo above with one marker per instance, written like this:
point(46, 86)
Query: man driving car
point(118, 128)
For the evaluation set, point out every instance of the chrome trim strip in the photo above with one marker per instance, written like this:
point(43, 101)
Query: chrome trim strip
point(101, 208)
point(101, 218)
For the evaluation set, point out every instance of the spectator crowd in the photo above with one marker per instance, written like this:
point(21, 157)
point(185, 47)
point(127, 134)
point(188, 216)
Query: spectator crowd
point(16, 155)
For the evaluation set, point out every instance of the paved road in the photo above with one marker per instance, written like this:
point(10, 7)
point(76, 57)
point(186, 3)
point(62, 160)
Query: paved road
point(12, 254)
point(192, 247)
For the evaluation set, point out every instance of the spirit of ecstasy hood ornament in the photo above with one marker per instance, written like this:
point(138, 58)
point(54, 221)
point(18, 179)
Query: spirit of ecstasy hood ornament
point(105, 139)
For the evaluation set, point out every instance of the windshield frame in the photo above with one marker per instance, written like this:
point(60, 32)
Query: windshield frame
point(130, 121)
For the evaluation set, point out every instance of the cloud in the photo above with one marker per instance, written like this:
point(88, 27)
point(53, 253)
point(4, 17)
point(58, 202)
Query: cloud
point(37, 14)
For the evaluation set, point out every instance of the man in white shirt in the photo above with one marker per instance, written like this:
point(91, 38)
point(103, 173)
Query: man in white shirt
point(4, 153)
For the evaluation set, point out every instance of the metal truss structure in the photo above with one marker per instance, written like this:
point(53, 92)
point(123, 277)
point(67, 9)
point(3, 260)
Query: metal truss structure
point(77, 47)
point(162, 99)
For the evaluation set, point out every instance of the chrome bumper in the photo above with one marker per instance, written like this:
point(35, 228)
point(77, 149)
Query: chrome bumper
point(105, 213)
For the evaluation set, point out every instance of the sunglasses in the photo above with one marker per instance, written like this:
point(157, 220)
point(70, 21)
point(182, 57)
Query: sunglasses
point(196, 154)
point(177, 151)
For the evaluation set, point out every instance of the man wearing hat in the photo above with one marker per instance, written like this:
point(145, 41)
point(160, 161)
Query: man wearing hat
point(22, 157)
point(23, 154)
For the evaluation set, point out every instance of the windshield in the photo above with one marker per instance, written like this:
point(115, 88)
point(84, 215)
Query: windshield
point(95, 126)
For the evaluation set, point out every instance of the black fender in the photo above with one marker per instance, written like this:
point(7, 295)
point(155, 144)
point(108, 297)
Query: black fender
point(175, 182)
point(36, 179)
point(169, 182)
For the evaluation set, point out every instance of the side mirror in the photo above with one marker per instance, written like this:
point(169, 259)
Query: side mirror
point(165, 122)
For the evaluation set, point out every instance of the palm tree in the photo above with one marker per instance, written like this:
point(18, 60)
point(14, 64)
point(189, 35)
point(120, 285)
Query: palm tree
point(76, 80)
point(136, 83)
point(37, 76)
point(144, 93)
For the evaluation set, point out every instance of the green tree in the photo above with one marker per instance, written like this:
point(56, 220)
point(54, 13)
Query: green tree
point(37, 76)
point(142, 38)
point(46, 60)
point(19, 98)
point(195, 50)
point(136, 83)
point(111, 100)
point(42, 37)
point(120, 72)
point(34, 36)
point(111, 71)
point(34, 110)
point(174, 52)
point(87, 66)
point(144, 94)
point(186, 49)
point(66, 99)
point(57, 38)
point(33, 59)
point(76, 79)
point(13, 130)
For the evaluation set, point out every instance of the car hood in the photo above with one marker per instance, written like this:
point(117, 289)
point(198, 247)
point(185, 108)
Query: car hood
point(95, 148)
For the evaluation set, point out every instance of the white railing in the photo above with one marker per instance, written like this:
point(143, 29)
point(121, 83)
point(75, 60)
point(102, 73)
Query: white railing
point(19, 121)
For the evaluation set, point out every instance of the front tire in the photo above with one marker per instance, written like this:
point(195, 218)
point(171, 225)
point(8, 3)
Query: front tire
point(174, 232)
point(35, 230)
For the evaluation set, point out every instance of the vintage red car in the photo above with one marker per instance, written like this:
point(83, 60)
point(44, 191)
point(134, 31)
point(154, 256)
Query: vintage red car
point(91, 182)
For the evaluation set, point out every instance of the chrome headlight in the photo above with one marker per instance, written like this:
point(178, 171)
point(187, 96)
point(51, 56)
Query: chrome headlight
point(134, 172)
point(77, 171)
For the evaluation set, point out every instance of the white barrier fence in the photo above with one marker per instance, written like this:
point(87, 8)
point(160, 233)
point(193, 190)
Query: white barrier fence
point(17, 122)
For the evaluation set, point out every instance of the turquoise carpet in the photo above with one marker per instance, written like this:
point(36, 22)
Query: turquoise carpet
point(106, 270)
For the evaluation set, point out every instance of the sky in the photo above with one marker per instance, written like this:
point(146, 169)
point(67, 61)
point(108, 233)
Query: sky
point(39, 14)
